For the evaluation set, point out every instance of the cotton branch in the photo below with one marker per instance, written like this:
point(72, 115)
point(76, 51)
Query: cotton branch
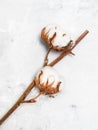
point(29, 88)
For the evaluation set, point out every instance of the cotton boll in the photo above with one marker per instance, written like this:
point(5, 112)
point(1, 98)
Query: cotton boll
point(47, 80)
point(55, 37)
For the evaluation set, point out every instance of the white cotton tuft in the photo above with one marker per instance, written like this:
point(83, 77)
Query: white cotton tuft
point(47, 78)
point(61, 39)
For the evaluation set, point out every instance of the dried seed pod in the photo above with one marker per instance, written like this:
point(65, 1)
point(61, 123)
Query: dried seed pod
point(56, 37)
point(47, 80)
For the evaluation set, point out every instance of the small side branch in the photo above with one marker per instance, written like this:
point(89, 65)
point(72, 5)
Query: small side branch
point(46, 57)
point(33, 100)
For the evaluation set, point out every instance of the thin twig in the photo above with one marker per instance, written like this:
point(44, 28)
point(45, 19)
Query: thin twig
point(65, 53)
point(46, 57)
point(33, 99)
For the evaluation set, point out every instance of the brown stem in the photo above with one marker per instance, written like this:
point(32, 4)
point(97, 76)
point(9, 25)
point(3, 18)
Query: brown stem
point(19, 101)
point(65, 53)
point(33, 99)
point(46, 57)
point(29, 88)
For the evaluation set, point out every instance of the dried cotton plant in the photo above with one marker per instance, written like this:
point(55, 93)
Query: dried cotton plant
point(47, 79)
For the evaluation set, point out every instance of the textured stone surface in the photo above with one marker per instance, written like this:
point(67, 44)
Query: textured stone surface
point(22, 53)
